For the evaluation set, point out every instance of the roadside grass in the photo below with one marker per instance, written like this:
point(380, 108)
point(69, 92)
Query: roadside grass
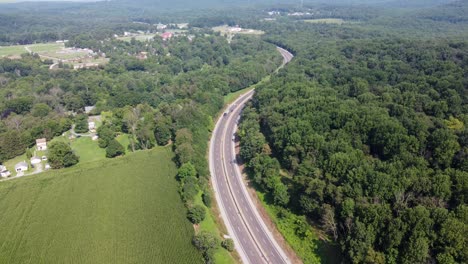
point(337, 21)
point(221, 255)
point(231, 97)
point(125, 210)
point(310, 249)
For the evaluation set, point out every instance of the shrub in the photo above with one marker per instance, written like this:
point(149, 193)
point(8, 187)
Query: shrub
point(207, 198)
point(196, 214)
point(228, 244)
point(61, 155)
point(114, 149)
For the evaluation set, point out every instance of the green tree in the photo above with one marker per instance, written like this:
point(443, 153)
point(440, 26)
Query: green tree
point(106, 134)
point(196, 214)
point(81, 124)
point(114, 149)
point(40, 110)
point(61, 155)
point(206, 242)
point(186, 170)
point(228, 244)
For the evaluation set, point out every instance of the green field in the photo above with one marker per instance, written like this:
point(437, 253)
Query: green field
point(142, 37)
point(337, 21)
point(12, 50)
point(125, 210)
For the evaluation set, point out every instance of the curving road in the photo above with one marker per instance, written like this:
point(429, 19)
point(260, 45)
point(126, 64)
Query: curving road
point(254, 242)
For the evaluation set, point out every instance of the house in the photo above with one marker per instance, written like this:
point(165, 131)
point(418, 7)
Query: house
point(35, 160)
point(161, 26)
point(41, 144)
point(92, 126)
point(4, 172)
point(166, 35)
point(22, 166)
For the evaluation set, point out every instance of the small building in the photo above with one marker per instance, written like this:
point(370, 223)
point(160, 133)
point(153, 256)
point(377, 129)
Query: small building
point(22, 166)
point(92, 126)
point(47, 166)
point(161, 26)
point(95, 137)
point(41, 144)
point(44, 158)
point(4, 172)
point(35, 160)
point(166, 35)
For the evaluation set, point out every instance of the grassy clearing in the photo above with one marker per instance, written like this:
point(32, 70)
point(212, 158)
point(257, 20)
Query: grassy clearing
point(142, 37)
point(46, 47)
point(7, 51)
point(209, 224)
point(337, 21)
point(125, 210)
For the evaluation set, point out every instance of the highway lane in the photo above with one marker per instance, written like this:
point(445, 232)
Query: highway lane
point(253, 240)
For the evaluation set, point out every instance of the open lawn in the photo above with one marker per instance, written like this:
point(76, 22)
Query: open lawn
point(53, 51)
point(7, 51)
point(337, 21)
point(125, 210)
point(142, 37)
point(230, 30)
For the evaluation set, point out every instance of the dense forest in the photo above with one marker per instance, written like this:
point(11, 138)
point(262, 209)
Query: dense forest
point(365, 133)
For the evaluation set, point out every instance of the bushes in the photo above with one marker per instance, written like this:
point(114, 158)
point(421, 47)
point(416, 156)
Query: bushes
point(114, 149)
point(61, 155)
point(228, 244)
point(196, 214)
point(206, 243)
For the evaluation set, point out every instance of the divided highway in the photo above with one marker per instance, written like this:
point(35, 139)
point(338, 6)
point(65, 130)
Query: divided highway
point(254, 242)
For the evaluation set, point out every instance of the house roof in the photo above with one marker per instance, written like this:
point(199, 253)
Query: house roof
point(21, 164)
point(41, 140)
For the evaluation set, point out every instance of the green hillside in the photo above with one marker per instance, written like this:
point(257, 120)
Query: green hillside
point(98, 213)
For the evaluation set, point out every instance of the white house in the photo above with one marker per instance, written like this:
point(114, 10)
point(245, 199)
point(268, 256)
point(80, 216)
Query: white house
point(92, 126)
point(41, 144)
point(4, 172)
point(22, 166)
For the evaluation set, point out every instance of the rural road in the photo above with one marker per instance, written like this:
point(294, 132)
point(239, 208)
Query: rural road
point(254, 242)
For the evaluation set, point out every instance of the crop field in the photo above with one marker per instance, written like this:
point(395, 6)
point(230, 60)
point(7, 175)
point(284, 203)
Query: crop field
point(125, 210)
point(337, 21)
